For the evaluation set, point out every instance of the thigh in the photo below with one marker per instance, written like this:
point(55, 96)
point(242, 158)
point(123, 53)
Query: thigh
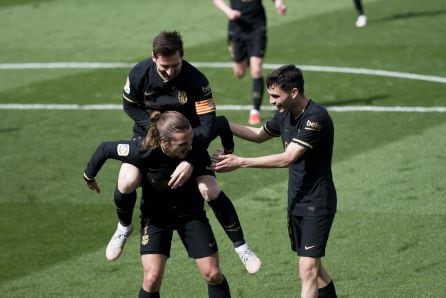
point(198, 238)
point(309, 234)
point(155, 239)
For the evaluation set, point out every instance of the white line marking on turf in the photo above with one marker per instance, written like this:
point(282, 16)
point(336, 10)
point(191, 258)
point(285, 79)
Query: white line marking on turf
point(349, 70)
point(15, 106)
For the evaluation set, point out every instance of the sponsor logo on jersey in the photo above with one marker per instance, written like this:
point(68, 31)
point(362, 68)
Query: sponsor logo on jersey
point(313, 125)
point(182, 97)
point(127, 86)
point(123, 149)
point(206, 89)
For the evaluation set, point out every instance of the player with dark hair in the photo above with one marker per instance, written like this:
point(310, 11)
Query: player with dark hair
point(361, 21)
point(247, 38)
point(167, 82)
point(163, 209)
point(307, 134)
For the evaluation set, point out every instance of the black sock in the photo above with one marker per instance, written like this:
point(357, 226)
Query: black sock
point(257, 92)
point(124, 206)
point(328, 291)
point(144, 294)
point(227, 216)
point(219, 291)
point(358, 6)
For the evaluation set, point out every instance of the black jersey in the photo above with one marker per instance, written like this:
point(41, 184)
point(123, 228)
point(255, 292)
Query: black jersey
point(253, 16)
point(311, 189)
point(159, 200)
point(189, 93)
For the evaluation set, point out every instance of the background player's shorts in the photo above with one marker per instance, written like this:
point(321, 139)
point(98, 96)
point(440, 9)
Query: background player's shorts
point(309, 234)
point(243, 45)
point(196, 235)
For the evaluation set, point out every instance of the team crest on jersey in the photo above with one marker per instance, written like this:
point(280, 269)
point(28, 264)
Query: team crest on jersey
point(145, 236)
point(123, 149)
point(182, 97)
point(145, 239)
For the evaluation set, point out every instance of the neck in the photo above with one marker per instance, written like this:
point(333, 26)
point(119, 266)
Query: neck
point(301, 104)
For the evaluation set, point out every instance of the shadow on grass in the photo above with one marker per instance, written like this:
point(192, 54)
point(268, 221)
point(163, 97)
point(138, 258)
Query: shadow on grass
point(362, 100)
point(410, 15)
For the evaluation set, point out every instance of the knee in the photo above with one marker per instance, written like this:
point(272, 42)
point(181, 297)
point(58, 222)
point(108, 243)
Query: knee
point(208, 188)
point(151, 282)
point(239, 71)
point(307, 273)
point(128, 179)
point(213, 276)
point(210, 193)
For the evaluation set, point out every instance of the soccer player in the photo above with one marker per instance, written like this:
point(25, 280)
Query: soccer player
point(163, 209)
point(361, 21)
point(167, 82)
point(247, 39)
point(307, 134)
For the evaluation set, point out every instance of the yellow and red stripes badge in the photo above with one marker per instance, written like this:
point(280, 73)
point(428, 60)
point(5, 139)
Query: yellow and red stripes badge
point(205, 106)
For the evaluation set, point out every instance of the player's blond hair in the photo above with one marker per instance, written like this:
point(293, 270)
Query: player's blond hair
point(163, 126)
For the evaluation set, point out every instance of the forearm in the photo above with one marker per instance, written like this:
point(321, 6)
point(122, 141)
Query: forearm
point(137, 114)
point(221, 5)
point(252, 134)
point(267, 161)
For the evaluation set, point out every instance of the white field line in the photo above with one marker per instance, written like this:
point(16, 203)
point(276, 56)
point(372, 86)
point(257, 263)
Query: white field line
point(316, 68)
point(15, 106)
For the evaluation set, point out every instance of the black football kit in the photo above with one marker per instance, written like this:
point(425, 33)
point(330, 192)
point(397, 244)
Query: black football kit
point(311, 190)
point(163, 209)
point(247, 34)
point(189, 93)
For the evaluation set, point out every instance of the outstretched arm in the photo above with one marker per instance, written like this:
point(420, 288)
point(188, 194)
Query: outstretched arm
point(250, 133)
point(230, 162)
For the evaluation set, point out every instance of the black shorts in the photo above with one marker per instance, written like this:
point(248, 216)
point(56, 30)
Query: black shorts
point(309, 234)
point(196, 235)
point(244, 45)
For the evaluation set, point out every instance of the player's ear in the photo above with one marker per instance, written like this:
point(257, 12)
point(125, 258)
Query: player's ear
point(294, 92)
point(153, 57)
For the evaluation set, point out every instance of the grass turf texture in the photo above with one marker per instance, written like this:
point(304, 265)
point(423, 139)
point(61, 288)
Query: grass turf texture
point(390, 227)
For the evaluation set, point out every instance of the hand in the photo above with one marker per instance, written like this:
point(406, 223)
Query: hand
point(182, 172)
point(225, 162)
point(93, 185)
point(234, 14)
point(280, 7)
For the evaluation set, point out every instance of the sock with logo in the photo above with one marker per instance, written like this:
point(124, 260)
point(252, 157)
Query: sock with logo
point(258, 87)
point(144, 294)
point(227, 216)
point(219, 291)
point(124, 202)
point(328, 291)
